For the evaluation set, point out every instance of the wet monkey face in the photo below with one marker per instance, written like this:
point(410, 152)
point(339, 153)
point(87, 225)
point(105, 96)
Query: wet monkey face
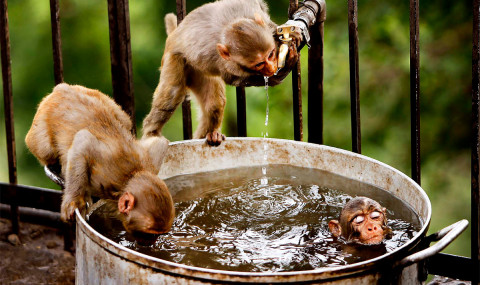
point(362, 221)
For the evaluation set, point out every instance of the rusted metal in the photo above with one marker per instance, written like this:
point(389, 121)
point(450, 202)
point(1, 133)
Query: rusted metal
point(315, 78)
point(297, 102)
point(186, 105)
point(354, 81)
point(415, 88)
point(453, 266)
point(241, 112)
point(100, 259)
point(34, 216)
point(8, 103)
point(475, 173)
point(56, 41)
point(296, 87)
point(444, 238)
point(35, 199)
point(32, 197)
point(53, 172)
point(121, 56)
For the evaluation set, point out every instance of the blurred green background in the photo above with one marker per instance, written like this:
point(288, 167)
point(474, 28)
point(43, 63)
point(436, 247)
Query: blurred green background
point(445, 45)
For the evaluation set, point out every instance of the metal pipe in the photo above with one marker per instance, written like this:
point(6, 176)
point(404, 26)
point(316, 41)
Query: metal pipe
point(32, 197)
point(34, 216)
point(56, 41)
point(354, 81)
point(297, 101)
point(186, 105)
point(121, 56)
point(415, 88)
point(453, 266)
point(241, 112)
point(475, 173)
point(296, 86)
point(8, 103)
point(315, 77)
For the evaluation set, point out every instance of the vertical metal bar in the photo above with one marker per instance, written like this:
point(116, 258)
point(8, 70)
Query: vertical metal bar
point(297, 102)
point(186, 108)
point(415, 88)
point(58, 73)
point(241, 112)
point(296, 87)
point(475, 187)
point(56, 41)
point(354, 82)
point(8, 102)
point(315, 82)
point(121, 56)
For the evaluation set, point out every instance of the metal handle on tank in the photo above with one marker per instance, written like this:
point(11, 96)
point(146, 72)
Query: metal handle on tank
point(444, 237)
point(54, 176)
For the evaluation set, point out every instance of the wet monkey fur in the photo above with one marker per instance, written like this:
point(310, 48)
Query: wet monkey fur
point(227, 41)
point(361, 221)
point(88, 134)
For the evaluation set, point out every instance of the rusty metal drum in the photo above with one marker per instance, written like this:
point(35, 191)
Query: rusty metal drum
point(102, 261)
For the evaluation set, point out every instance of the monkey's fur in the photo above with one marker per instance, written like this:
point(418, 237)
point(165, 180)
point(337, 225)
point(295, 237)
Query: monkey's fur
point(362, 221)
point(227, 41)
point(88, 134)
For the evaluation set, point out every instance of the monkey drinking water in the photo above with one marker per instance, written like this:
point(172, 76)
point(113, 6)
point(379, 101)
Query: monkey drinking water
point(88, 134)
point(227, 41)
point(361, 221)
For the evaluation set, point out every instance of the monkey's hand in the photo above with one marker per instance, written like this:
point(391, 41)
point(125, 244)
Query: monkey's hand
point(215, 138)
point(69, 206)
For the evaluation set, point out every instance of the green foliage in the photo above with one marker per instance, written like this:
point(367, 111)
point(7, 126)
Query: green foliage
point(445, 34)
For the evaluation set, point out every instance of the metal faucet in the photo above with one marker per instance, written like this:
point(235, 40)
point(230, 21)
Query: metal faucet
point(305, 17)
point(284, 35)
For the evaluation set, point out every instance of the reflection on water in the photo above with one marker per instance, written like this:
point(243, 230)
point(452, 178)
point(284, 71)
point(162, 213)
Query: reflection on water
point(231, 220)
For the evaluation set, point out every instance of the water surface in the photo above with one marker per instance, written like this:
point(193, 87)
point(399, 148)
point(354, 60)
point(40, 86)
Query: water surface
point(233, 220)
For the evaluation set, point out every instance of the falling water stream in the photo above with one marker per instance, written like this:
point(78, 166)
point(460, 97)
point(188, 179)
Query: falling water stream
point(264, 179)
point(244, 219)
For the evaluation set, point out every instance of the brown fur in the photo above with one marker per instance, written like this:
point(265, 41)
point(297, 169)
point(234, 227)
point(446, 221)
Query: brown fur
point(88, 134)
point(217, 43)
point(370, 230)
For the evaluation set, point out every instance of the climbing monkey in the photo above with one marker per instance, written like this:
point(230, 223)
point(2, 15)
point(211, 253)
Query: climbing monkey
point(361, 221)
point(88, 134)
point(227, 41)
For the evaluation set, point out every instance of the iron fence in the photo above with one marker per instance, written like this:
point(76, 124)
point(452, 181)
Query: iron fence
point(123, 93)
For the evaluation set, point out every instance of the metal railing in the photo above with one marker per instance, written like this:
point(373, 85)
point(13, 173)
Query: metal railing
point(121, 68)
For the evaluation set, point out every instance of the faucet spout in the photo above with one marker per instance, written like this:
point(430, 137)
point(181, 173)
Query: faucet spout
point(284, 35)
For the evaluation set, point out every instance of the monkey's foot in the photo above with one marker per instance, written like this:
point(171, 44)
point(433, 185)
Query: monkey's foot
point(215, 138)
point(68, 209)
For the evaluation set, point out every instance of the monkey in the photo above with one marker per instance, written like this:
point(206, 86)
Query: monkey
point(89, 136)
point(227, 41)
point(362, 221)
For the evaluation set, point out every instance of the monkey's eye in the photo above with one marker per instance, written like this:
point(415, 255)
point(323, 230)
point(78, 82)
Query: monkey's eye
point(358, 219)
point(259, 65)
point(375, 215)
point(272, 54)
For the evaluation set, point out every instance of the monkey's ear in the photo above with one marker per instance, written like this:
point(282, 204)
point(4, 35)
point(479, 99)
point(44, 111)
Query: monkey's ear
point(334, 227)
point(156, 148)
point(258, 19)
point(126, 203)
point(223, 51)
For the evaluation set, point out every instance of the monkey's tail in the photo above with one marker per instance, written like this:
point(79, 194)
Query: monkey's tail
point(170, 23)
